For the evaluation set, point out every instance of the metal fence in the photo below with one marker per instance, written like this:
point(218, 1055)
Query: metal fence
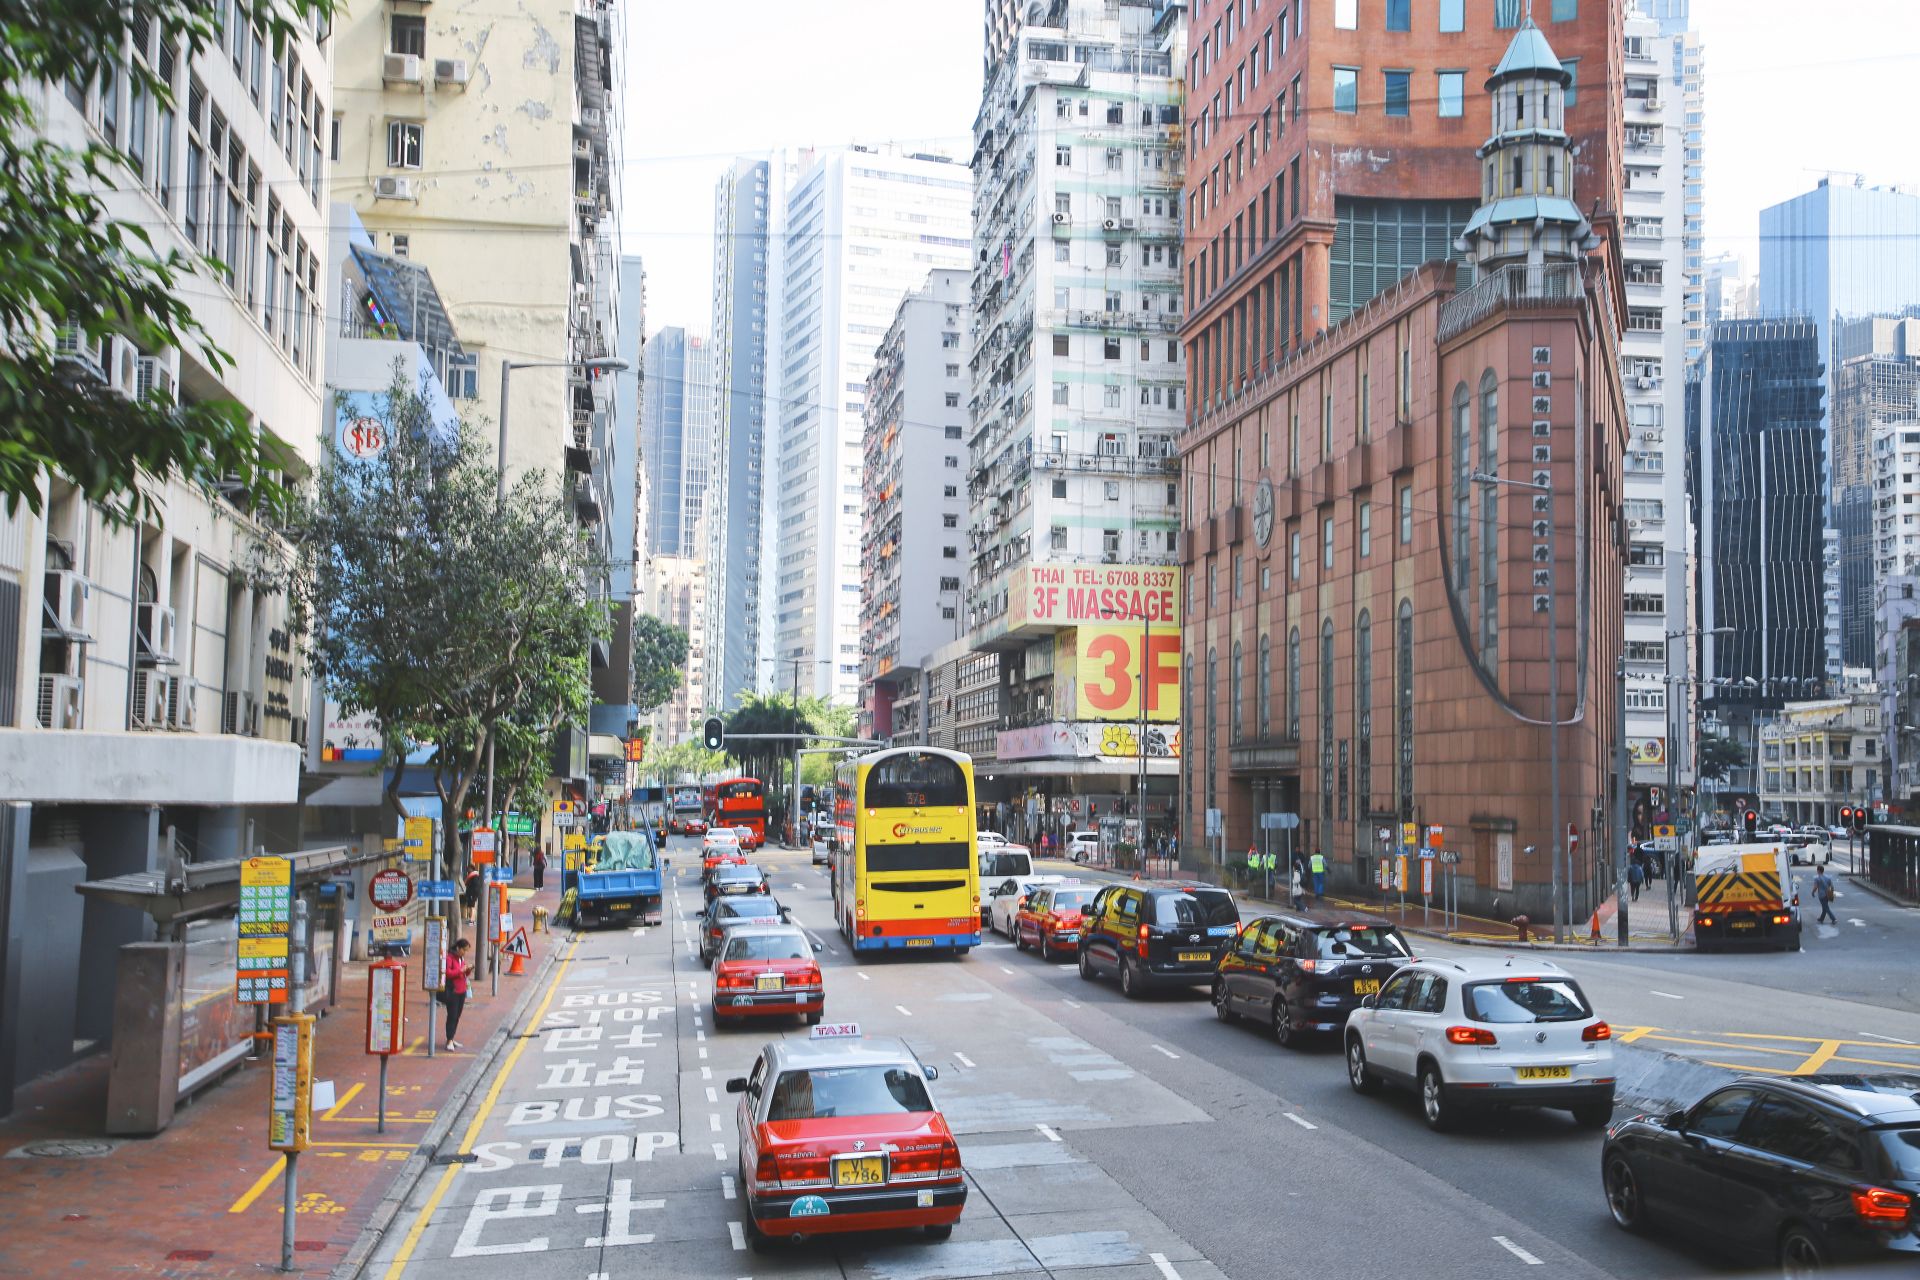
point(1893, 860)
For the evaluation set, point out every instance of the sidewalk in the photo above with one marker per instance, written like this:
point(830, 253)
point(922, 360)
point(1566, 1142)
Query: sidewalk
point(1647, 919)
point(203, 1199)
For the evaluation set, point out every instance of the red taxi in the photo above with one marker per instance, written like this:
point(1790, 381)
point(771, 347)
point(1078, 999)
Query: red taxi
point(721, 848)
point(767, 970)
point(1049, 920)
point(839, 1134)
point(689, 824)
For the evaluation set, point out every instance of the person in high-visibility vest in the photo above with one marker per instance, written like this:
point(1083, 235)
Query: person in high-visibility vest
point(1317, 864)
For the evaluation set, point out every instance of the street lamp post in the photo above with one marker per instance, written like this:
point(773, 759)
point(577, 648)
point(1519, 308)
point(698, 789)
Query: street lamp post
point(610, 364)
point(1561, 877)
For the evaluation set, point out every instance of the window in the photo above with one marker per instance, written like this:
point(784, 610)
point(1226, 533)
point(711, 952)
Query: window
point(1363, 711)
point(1110, 541)
point(1453, 15)
point(1113, 255)
point(1061, 344)
point(463, 381)
point(1326, 735)
point(1363, 521)
point(953, 400)
point(1506, 13)
point(1399, 92)
point(1346, 90)
point(949, 553)
point(1063, 156)
point(408, 35)
point(953, 463)
point(1403, 697)
point(1452, 96)
point(1293, 555)
point(1060, 393)
point(1111, 349)
point(1057, 537)
point(1573, 79)
point(953, 433)
point(1406, 514)
point(1113, 491)
point(1234, 687)
point(950, 520)
point(1720, 1115)
point(1346, 14)
point(403, 144)
point(1110, 395)
point(1293, 685)
point(1326, 543)
point(1566, 10)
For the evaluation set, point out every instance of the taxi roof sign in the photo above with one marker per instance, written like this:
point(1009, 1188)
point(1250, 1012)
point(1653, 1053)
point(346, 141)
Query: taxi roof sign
point(835, 1031)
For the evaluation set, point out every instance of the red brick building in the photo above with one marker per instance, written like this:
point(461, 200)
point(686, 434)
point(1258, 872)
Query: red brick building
point(1388, 517)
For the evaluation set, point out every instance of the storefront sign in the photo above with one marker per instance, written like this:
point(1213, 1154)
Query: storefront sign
point(1109, 671)
point(1047, 595)
point(1085, 740)
point(1649, 750)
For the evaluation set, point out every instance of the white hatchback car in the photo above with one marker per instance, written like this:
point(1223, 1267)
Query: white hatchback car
point(1005, 899)
point(1473, 1033)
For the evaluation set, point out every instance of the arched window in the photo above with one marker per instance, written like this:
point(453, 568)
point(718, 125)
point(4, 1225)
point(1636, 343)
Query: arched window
point(1403, 710)
point(1265, 691)
point(1363, 712)
point(1326, 736)
point(1293, 685)
point(1462, 450)
point(1234, 722)
point(1490, 523)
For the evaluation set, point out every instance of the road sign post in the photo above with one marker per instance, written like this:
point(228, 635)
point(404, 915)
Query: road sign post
point(291, 1107)
point(386, 1020)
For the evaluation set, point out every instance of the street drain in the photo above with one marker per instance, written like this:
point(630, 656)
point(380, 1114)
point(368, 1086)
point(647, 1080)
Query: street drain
point(66, 1149)
point(459, 1157)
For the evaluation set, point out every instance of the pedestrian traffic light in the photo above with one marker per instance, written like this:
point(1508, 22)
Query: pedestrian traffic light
point(1846, 817)
point(715, 734)
point(1752, 820)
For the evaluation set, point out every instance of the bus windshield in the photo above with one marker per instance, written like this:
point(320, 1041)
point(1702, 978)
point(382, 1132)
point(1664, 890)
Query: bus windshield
point(916, 780)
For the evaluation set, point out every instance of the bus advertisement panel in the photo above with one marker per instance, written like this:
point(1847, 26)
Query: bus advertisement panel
point(742, 802)
point(904, 872)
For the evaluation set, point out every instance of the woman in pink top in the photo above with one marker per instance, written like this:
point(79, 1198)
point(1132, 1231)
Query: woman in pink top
point(455, 994)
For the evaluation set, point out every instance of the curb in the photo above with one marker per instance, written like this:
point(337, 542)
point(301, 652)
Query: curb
point(420, 1160)
point(1882, 894)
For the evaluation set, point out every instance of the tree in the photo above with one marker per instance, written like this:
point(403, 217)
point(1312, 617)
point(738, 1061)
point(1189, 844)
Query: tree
point(659, 661)
point(1720, 756)
point(71, 276)
point(447, 615)
point(686, 761)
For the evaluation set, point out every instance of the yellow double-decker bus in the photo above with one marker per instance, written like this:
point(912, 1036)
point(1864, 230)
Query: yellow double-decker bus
point(904, 870)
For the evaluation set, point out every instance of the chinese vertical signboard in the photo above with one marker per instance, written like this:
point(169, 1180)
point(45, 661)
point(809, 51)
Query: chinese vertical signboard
point(266, 923)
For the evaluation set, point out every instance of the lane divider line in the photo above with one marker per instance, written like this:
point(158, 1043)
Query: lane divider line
point(1517, 1251)
point(963, 1059)
point(719, 1151)
point(727, 1191)
point(1163, 1049)
point(1302, 1121)
point(738, 1234)
point(1046, 1131)
point(904, 1011)
point(1166, 1268)
point(1665, 995)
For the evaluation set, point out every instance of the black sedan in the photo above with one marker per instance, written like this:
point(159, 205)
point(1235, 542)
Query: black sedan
point(1805, 1172)
point(723, 915)
point(740, 878)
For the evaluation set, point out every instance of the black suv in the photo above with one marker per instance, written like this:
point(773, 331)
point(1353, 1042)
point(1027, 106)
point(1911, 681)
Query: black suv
point(1157, 933)
point(1807, 1173)
point(739, 878)
point(1305, 971)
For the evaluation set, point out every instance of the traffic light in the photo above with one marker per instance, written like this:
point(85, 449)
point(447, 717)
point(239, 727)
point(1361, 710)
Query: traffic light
point(715, 734)
point(1846, 817)
point(1753, 822)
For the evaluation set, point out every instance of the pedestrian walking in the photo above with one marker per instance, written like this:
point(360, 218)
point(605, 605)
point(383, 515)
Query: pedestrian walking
point(1294, 887)
point(1317, 864)
point(454, 994)
point(539, 868)
point(1823, 892)
point(470, 896)
point(1634, 878)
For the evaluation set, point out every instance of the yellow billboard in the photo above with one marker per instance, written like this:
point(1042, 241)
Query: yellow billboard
point(1114, 660)
point(1070, 595)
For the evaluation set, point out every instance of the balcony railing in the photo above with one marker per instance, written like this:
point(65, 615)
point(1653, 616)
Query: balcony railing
point(1512, 288)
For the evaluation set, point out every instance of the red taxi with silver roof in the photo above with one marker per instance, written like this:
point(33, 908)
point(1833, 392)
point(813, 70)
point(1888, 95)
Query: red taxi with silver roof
point(767, 971)
point(838, 1133)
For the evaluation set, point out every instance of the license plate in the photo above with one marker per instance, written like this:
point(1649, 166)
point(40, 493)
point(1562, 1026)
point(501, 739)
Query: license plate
point(859, 1171)
point(919, 942)
point(767, 982)
point(619, 906)
point(1544, 1073)
point(1366, 986)
point(1188, 957)
point(1742, 926)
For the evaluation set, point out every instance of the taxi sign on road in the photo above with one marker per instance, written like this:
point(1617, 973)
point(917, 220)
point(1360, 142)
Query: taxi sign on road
point(835, 1031)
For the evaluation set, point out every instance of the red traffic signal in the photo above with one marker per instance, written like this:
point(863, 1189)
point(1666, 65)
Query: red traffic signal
point(1846, 817)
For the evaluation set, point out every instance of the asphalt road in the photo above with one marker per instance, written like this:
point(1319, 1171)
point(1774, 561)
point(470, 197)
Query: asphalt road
point(1104, 1138)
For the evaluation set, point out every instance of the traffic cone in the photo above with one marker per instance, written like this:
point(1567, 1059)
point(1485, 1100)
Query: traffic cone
point(519, 966)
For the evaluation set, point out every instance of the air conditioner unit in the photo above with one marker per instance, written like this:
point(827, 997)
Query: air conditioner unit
point(1648, 384)
point(152, 692)
point(1633, 524)
point(1126, 224)
point(582, 149)
point(400, 68)
point(1062, 219)
point(186, 703)
point(1109, 557)
point(66, 603)
point(450, 71)
point(392, 188)
point(1110, 224)
point(60, 702)
point(123, 366)
point(154, 379)
point(155, 622)
point(590, 117)
point(238, 717)
point(78, 354)
point(1650, 435)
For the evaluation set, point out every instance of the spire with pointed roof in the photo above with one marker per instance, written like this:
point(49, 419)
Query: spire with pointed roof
point(1528, 214)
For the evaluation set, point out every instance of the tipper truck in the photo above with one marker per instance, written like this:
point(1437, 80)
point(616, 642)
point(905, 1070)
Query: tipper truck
point(623, 885)
point(1744, 893)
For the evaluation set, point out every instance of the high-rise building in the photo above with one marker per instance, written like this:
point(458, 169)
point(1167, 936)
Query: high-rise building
point(1680, 44)
point(748, 239)
point(1402, 605)
point(626, 531)
point(1732, 294)
point(1077, 397)
point(913, 532)
point(152, 697)
point(863, 228)
point(678, 585)
point(677, 427)
point(1661, 293)
point(1876, 380)
point(1760, 490)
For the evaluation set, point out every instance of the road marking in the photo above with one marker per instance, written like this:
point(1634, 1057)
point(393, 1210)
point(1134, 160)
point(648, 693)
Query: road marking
point(719, 1151)
point(1004, 969)
point(703, 1051)
point(1818, 1058)
point(1046, 1131)
point(963, 1059)
point(904, 1011)
point(1163, 1049)
point(253, 1192)
point(1517, 1251)
point(711, 1095)
point(1302, 1121)
point(863, 977)
point(726, 1186)
point(699, 1037)
point(412, 1240)
point(1166, 1268)
point(1889, 1039)
point(1629, 1036)
point(713, 1121)
point(1073, 1004)
point(1668, 995)
point(345, 1098)
point(706, 1073)
point(739, 1235)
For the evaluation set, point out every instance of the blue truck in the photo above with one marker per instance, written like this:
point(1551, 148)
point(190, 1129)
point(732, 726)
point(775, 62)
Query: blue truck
point(623, 885)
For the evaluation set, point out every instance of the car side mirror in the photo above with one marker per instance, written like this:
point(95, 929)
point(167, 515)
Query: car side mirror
point(786, 916)
point(1369, 1002)
point(1674, 1120)
point(932, 1073)
point(737, 1085)
point(816, 947)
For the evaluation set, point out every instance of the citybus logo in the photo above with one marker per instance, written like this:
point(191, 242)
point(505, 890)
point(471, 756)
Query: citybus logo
point(901, 829)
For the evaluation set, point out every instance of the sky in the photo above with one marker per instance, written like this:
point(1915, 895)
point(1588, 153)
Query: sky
point(1792, 89)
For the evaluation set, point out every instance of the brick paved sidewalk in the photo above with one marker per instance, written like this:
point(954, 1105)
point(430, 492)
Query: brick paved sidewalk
point(203, 1199)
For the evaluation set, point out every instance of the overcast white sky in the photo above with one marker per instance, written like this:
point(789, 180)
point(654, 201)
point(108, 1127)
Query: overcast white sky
point(1791, 88)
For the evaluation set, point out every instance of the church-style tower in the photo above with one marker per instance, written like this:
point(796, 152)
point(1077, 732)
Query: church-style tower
point(1528, 215)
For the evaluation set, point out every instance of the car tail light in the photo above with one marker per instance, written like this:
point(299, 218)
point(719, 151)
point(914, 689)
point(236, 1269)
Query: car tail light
point(809, 977)
point(918, 1164)
point(714, 933)
point(1598, 1031)
point(1879, 1207)
point(1783, 919)
point(1702, 922)
point(1142, 940)
point(1066, 917)
point(766, 1169)
point(1470, 1035)
point(734, 981)
point(1309, 966)
point(803, 1171)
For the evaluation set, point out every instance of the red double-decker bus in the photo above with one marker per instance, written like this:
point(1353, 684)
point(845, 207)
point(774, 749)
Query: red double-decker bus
point(741, 802)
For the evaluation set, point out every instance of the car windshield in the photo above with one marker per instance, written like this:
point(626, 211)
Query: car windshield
point(1527, 1000)
point(1072, 899)
point(1006, 864)
point(825, 1092)
point(742, 908)
point(768, 946)
point(745, 871)
point(1360, 940)
point(1197, 906)
point(1903, 1152)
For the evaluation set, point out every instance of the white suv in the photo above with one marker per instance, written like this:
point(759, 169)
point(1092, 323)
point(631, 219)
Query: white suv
point(1475, 1033)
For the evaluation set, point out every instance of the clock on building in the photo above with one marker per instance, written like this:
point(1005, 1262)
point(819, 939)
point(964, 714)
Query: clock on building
point(1263, 512)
